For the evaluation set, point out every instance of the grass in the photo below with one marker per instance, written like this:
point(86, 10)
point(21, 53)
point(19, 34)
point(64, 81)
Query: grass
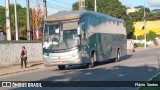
point(157, 78)
point(138, 45)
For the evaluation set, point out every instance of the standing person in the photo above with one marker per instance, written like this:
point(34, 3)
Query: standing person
point(24, 57)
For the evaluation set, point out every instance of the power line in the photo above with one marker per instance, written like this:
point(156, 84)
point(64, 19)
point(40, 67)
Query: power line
point(62, 2)
point(55, 6)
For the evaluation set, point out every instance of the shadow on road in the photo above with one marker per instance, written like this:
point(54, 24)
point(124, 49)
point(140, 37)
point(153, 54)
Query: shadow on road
point(33, 65)
point(97, 64)
point(117, 73)
point(125, 57)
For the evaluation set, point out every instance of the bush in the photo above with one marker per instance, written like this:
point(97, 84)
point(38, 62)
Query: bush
point(151, 36)
point(138, 45)
point(141, 37)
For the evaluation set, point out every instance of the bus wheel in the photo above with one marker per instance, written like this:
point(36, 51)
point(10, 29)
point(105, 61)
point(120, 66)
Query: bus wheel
point(61, 67)
point(118, 56)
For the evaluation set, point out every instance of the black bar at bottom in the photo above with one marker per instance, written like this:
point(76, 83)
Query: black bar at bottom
point(80, 83)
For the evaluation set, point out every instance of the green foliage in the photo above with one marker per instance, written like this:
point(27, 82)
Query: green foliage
point(138, 16)
point(2, 18)
point(151, 36)
point(155, 11)
point(141, 37)
point(75, 6)
point(153, 16)
point(129, 27)
point(138, 45)
point(21, 13)
point(111, 7)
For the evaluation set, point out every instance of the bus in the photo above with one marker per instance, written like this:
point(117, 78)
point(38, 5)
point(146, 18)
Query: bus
point(82, 37)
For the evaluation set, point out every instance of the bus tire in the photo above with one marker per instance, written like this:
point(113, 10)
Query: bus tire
point(61, 67)
point(118, 56)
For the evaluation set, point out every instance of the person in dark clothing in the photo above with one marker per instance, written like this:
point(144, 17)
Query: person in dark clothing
point(24, 57)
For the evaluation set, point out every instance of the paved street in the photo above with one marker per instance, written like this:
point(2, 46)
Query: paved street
point(139, 66)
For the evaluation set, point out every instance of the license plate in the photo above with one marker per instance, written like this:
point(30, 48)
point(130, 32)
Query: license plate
point(59, 62)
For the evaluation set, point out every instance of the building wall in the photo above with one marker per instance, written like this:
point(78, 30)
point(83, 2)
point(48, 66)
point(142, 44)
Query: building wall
point(131, 10)
point(10, 53)
point(150, 26)
point(130, 44)
point(2, 36)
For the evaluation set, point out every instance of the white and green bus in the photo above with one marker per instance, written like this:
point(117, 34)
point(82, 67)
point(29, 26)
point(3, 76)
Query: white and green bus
point(82, 37)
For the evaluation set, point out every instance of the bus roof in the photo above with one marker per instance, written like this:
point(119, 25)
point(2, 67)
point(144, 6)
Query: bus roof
point(68, 15)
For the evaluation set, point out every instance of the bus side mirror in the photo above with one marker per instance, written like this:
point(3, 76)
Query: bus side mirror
point(78, 31)
point(80, 28)
point(37, 34)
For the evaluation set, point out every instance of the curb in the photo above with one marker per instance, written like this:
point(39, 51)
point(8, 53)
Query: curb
point(141, 48)
point(22, 71)
point(15, 64)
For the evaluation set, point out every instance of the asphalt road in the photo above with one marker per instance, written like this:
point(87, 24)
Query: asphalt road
point(139, 66)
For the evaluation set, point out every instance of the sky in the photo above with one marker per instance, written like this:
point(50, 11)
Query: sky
point(152, 4)
point(60, 5)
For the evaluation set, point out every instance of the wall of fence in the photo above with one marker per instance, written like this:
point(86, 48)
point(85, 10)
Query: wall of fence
point(130, 44)
point(10, 53)
point(2, 36)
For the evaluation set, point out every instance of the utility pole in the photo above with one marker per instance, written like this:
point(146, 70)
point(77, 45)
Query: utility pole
point(16, 24)
point(45, 9)
point(145, 43)
point(95, 5)
point(28, 21)
point(8, 21)
point(81, 4)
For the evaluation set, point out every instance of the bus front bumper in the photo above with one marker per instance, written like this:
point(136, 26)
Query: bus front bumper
point(48, 61)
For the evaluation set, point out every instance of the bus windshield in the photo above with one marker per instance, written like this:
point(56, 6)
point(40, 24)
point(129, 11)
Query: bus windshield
point(58, 36)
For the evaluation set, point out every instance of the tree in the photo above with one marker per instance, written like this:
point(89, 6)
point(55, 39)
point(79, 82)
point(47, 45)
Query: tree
point(147, 10)
point(151, 36)
point(75, 6)
point(110, 7)
point(138, 16)
point(155, 11)
point(2, 18)
point(36, 20)
point(21, 12)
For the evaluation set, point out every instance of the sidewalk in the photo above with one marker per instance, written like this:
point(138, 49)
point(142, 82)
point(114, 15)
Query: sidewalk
point(141, 48)
point(17, 68)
